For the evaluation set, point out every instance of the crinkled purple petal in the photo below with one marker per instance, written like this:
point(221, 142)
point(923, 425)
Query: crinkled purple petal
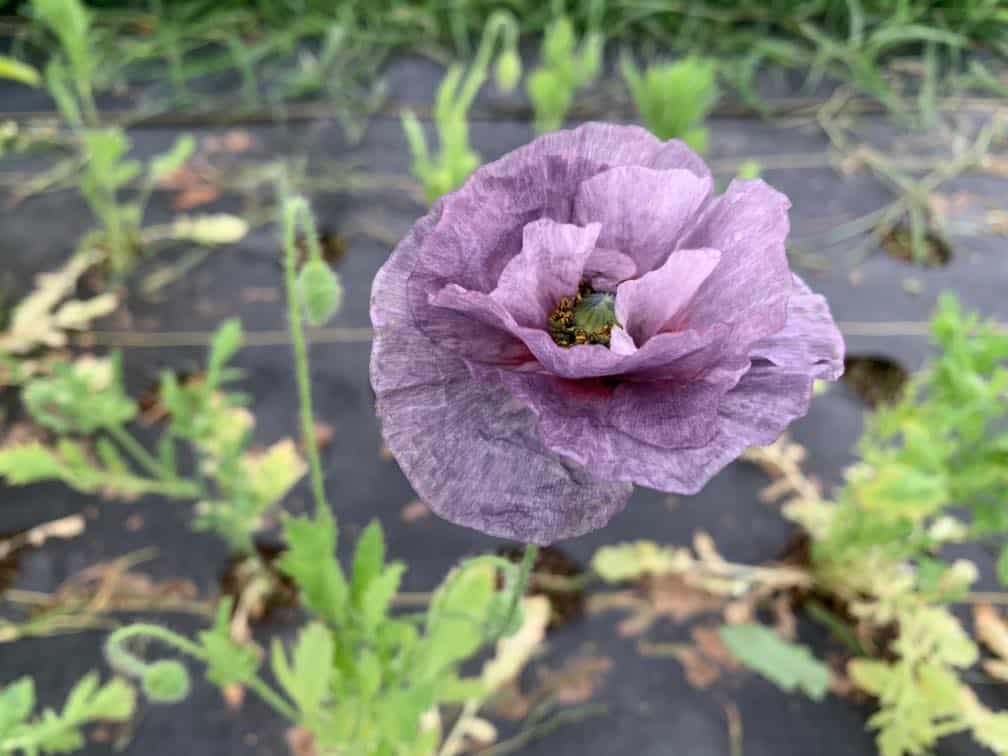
point(550, 266)
point(473, 454)
point(662, 413)
point(809, 341)
point(643, 211)
point(751, 285)
point(756, 411)
point(644, 305)
point(469, 450)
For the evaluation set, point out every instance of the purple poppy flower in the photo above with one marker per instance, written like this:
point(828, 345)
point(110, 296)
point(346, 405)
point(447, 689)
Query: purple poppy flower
point(582, 316)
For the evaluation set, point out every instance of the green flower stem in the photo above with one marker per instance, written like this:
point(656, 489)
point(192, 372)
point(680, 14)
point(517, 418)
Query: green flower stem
point(136, 667)
point(521, 583)
point(292, 207)
point(501, 25)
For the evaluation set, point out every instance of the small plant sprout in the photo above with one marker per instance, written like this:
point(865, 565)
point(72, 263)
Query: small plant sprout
point(566, 67)
point(674, 99)
point(445, 171)
point(85, 405)
point(70, 76)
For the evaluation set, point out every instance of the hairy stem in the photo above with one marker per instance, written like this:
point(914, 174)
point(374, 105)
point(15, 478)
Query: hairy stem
point(520, 584)
point(292, 208)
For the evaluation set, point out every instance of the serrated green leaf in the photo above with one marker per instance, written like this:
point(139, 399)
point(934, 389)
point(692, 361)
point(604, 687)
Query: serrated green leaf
point(457, 622)
point(225, 345)
point(787, 665)
point(378, 596)
point(872, 676)
point(368, 560)
point(227, 662)
point(22, 464)
point(17, 701)
point(81, 397)
point(308, 680)
point(369, 673)
point(310, 561)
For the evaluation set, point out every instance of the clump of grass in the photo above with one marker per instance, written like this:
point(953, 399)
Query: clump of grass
point(266, 41)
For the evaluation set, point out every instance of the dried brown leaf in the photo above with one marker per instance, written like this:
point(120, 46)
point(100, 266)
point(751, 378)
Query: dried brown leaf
point(415, 510)
point(577, 680)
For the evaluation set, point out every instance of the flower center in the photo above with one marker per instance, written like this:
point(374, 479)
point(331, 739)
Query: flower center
point(586, 318)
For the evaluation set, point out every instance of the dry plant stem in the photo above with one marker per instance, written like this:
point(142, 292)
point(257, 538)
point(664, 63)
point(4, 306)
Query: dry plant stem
point(784, 466)
point(63, 528)
point(544, 727)
point(453, 742)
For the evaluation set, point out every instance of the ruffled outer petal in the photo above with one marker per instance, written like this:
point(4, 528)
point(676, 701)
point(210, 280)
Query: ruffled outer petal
point(470, 451)
point(755, 412)
point(643, 211)
point(750, 286)
point(809, 341)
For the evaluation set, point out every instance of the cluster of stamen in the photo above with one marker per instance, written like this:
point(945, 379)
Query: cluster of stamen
point(586, 318)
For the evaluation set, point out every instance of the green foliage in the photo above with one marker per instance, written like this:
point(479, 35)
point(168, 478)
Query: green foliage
point(15, 70)
point(943, 444)
point(361, 679)
point(318, 287)
point(82, 397)
point(674, 99)
point(566, 66)
point(631, 561)
point(59, 732)
point(228, 662)
point(116, 187)
point(920, 694)
point(166, 682)
point(272, 44)
point(233, 485)
point(932, 473)
point(309, 563)
point(107, 173)
point(787, 665)
point(446, 170)
point(70, 22)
